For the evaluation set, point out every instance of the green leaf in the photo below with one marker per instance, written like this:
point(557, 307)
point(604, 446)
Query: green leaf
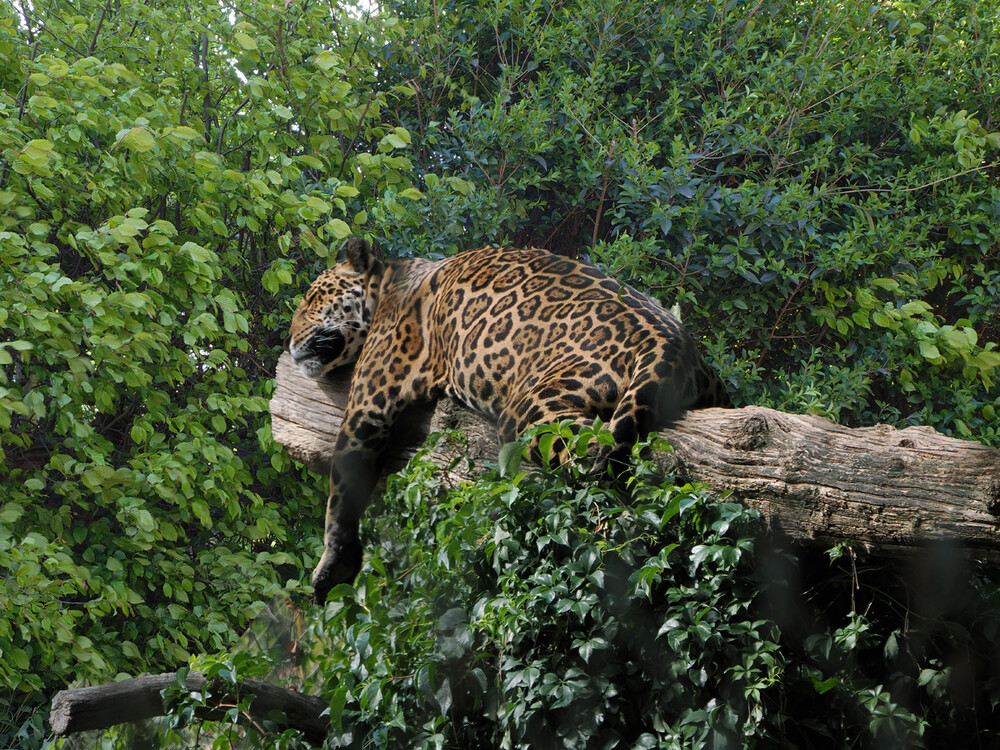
point(326, 60)
point(825, 686)
point(11, 512)
point(885, 321)
point(338, 228)
point(398, 138)
point(21, 346)
point(198, 253)
point(226, 300)
point(443, 697)
point(985, 360)
point(246, 41)
point(182, 133)
point(139, 139)
point(510, 458)
point(929, 351)
point(34, 158)
point(56, 68)
point(462, 187)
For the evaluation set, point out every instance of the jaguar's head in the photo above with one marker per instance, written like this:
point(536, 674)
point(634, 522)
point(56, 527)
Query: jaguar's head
point(330, 324)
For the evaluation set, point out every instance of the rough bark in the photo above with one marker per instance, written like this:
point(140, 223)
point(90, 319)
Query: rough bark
point(885, 489)
point(102, 706)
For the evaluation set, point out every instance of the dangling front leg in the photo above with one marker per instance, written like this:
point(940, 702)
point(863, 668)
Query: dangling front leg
point(352, 480)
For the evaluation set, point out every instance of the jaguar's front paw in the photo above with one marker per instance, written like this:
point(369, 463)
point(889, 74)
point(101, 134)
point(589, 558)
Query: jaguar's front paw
point(340, 563)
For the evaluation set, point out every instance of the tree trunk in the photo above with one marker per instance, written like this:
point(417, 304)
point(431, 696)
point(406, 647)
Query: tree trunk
point(102, 706)
point(884, 489)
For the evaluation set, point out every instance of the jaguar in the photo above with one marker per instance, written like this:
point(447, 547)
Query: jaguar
point(522, 336)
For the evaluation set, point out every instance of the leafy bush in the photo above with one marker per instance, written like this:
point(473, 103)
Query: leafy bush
point(171, 176)
point(545, 609)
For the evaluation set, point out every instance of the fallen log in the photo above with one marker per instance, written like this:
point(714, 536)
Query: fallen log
point(137, 699)
point(882, 489)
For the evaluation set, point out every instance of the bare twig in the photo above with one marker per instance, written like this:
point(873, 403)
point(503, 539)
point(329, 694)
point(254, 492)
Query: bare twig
point(932, 183)
point(222, 130)
point(97, 31)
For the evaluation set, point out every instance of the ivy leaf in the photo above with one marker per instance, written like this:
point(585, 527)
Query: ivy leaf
point(510, 458)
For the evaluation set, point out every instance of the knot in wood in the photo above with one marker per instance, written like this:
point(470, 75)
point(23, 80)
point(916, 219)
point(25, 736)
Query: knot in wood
point(993, 498)
point(750, 435)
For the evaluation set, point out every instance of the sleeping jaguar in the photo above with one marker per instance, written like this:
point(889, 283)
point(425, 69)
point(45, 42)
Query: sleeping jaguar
point(522, 336)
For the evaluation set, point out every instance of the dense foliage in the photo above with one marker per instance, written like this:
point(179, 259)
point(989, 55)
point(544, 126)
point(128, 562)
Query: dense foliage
point(548, 610)
point(171, 176)
point(814, 183)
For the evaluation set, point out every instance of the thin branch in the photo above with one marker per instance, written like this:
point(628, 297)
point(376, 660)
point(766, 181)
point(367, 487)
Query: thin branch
point(222, 131)
point(62, 41)
point(932, 183)
point(357, 135)
point(27, 21)
point(97, 31)
point(604, 193)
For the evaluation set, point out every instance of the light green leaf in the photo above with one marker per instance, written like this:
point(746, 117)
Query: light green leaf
point(11, 512)
point(198, 253)
point(985, 360)
point(929, 351)
point(57, 68)
point(34, 158)
point(318, 204)
point(326, 60)
point(463, 187)
point(246, 41)
point(138, 139)
point(182, 133)
point(879, 318)
point(338, 228)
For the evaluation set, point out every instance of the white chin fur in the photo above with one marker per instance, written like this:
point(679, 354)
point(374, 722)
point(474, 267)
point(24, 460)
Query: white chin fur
point(313, 368)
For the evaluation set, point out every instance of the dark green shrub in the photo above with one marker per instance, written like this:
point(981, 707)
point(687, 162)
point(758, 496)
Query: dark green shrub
point(545, 609)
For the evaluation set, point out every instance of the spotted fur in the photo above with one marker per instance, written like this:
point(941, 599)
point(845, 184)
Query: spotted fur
point(522, 336)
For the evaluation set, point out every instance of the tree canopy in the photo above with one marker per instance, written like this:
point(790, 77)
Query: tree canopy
point(813, 183)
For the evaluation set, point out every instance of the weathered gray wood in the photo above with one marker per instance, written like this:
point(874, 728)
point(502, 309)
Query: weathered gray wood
point(102, 706)
point(883, 488)
point(888, 489)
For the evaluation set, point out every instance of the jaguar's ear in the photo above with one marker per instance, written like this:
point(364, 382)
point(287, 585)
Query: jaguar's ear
point(359, 255)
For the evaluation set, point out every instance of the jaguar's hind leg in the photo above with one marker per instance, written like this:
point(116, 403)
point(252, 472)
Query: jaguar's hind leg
point(565, 400)
point(655, 398)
